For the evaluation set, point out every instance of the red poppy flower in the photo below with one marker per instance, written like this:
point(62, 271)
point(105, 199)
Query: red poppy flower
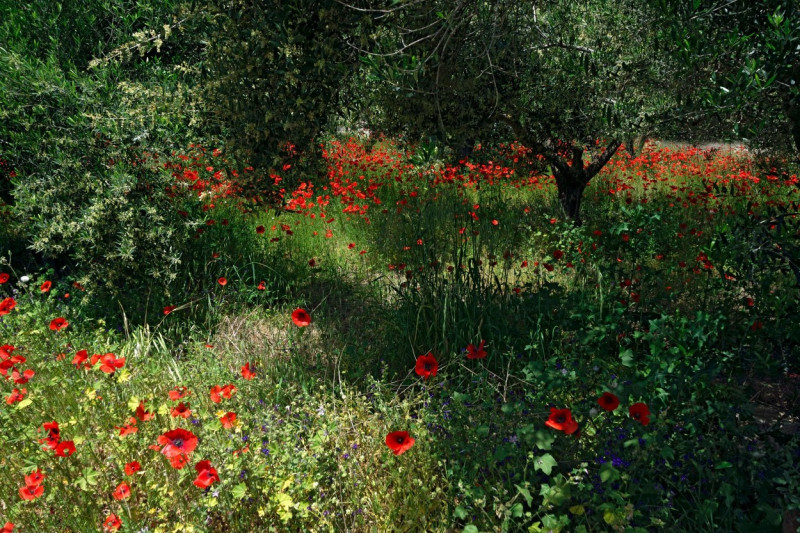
point(179, 392)
point(16, 396)
point(57, 324)
point(177, 442)
point(179, 461)
point(222, 281)
point(53, 435)
point(558, 254)
point(80, 358)
point(217, 392)
point(399, 442)
point(122, 492)
point(127, 429)
point(561, 420)
point(248, 372)
point(142, 414)
point(181, 410)
point(548, 267)
point(206, 474)
point(132, 467)
point(65, 448)
point(301, 318)
point(7, 528)
point(112, 523)
point(31, 492)
point(260, 229)
point(7, 305)
point(228, 420)
point(3, 277)
point(478, 352)
point(46, 286)
point(34, 478)
point(168, 309)
point(110, 363)
point(608, 401)
point(23, 378)
point(262, 286)
point(640, 412)
point(426, 365)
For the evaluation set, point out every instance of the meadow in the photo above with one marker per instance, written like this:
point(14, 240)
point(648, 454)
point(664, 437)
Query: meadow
point(411, 344)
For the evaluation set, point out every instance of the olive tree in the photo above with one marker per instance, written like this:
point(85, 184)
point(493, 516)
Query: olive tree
point(570, 79)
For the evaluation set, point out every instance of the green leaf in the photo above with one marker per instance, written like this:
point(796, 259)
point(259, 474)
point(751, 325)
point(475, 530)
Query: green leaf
point(545, 439)
point(460, 513)
point(608, 473)
point(470, 529)
point(545, 463)
point(516, 510)
point(627, 357)
point(667, 453)
point(239, 491)
point(525, 494)
point(722, 465)
point(24, 403)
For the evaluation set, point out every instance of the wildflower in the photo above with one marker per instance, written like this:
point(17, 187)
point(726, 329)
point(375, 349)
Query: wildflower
point(426, 366)
point(80, 358)
point(478, 352)
point(608, 401)
point(110, 363)
point(168, 309)
point(217, 392)
point(247, 372)
point(3, 277)
point(222, 281)
point(301, 318)
point(399, 442)
point(177, 442)
point(228, 420)
point(34, 478)
point(57, 324)
point(181, 410)
point(132, 467)
point(122, 492)
point(262, 286)
point(561, 420)
point(178, 392)
point(65, 448)
point(206, 474)
point(46, 286)
point(640, 412)
point(142, 414)
point(31, 492)
point(112, 523)
point(7, 305)
point(16, 396)
point(7, 528)
point(127, 429)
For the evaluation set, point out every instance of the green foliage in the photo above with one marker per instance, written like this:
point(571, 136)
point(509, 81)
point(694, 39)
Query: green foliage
point(273, 74)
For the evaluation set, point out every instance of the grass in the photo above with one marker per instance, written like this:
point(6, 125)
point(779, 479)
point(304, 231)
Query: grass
point(678, 292)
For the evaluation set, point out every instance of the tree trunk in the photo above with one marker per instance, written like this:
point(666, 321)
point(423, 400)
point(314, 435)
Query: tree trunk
point(570, 193)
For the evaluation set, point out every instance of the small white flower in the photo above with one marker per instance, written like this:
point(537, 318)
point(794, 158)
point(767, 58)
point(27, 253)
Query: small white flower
point(24, 279)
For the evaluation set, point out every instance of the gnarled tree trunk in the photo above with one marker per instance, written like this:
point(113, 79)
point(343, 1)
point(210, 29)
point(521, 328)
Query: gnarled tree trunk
point(572, 177)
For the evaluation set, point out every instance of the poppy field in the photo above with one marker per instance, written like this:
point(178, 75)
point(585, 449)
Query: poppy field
point(411, 344)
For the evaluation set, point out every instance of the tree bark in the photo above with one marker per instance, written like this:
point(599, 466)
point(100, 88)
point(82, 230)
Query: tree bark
point(573, 177)
point(570, 196)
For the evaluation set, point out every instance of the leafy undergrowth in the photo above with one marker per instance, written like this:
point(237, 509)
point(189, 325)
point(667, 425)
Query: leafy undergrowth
point(549, 378)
